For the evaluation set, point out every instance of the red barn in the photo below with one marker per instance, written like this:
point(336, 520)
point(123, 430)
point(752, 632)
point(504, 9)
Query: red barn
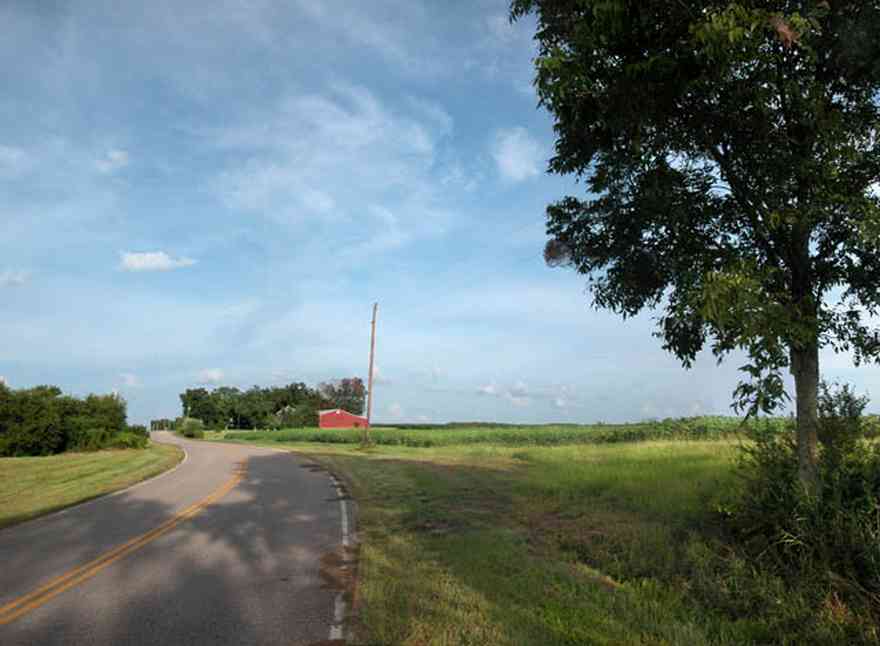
point(338, 418)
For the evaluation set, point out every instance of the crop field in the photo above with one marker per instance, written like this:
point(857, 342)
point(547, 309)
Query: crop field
point(699, 428)
point(555, 535)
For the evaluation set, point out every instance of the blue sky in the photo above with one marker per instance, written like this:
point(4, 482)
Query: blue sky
point(215, 193)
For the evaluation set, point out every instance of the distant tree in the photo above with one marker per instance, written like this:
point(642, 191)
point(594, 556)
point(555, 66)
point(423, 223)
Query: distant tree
point(198, 403)
point(348, 394)
point(732, 150)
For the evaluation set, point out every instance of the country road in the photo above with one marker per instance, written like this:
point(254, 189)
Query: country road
point(238, 545)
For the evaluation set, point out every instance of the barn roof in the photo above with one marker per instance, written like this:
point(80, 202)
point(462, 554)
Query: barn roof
point(339, 410)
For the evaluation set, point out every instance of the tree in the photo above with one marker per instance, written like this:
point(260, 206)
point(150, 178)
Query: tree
point(348, 394)
point(732, 154)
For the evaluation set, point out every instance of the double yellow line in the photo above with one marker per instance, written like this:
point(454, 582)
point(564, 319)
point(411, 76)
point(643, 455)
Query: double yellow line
point(36, 598)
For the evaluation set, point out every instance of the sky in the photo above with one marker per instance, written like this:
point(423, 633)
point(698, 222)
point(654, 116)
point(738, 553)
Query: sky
point(215, 193)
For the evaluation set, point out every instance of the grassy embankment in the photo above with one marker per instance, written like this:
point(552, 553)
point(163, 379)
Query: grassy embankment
point(556, 535)
point(31, 487)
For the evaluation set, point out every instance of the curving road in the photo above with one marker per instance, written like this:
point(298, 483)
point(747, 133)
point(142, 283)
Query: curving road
point(238, 545)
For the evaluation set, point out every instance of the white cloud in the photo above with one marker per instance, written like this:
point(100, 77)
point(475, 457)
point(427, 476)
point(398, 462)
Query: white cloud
point(560, 402)
point(518, 394)
point(130, 380)
point(11, 278)
point(488, 389)
point(517, 154)
point(153, 261)
point(210, 376)
point(113, 160)
point(379, 378)
point(519, 389)
point(395, 410)
point(319, 159)
point(13, 161)
point(3, 380)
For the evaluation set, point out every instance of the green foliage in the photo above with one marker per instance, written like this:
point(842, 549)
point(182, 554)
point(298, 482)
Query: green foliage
point(138, 429)
point(190, 427)
point(698, 428)
point(730, 151)
point(827, 542)
point(162, 424)
point(294, 405)
point(128, 440)
point(347, 394)
point(42, 421)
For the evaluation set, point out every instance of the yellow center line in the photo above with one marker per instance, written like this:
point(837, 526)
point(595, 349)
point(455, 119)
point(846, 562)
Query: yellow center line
point(36, 598)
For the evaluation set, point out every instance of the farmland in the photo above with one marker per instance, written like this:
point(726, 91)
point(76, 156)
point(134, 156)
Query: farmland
point(698, 428)
point(557, 535)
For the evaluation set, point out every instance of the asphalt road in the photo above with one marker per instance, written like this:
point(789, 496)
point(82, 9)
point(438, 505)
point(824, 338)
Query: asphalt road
point(238, 545)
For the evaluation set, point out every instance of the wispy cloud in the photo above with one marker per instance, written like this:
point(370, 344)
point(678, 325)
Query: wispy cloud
point(325, 158)
point(395, 410)
point(152, 261)
point(10, 278)
point(130, 380)
point(488, 389)
point(13, 161)
point(517, 154)
point(210, 376)
point(112, 161)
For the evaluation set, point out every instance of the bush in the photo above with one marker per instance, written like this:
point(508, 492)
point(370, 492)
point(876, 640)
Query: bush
point(827, 542)
point(92, 439)
point(138, 429)
point(43, 421)
point(127, 440)
point(190, 427)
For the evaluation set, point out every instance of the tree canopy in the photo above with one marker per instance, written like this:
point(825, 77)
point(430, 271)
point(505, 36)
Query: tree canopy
point(295, 404)
point(731, 154)
point(43, 421)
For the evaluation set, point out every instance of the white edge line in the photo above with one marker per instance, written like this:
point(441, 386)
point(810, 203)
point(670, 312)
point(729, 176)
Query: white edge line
point(104, 496)
point(336, 628)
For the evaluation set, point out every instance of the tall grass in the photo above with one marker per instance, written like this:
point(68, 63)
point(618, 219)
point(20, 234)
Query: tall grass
point(695, 428)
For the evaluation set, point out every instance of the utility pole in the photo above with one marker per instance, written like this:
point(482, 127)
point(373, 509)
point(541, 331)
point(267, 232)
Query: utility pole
point(370, 377)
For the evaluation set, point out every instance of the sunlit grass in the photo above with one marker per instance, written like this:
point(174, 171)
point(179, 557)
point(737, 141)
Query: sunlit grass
point(31, 487)
point(494, 544)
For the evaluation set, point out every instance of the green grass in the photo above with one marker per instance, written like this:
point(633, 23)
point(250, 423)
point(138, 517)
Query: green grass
point(31, 487)
point(482, 544)
point(698, 428)
point(551, 545)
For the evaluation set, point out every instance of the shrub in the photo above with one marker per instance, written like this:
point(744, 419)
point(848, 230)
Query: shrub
point(92, 439)
point(191, 427)
point(42, 421)
point(138, 429)
point(127, 440)
point(828, 541)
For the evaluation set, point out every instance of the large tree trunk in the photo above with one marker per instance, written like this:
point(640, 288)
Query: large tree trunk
point(805, 368)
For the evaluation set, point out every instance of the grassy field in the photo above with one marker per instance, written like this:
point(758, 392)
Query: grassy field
point(31, 487)
point(581, 544)
point(696, 428)
point(562, 540)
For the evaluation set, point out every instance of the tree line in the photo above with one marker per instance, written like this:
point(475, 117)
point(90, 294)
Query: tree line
point(44, 421)
point(290, 406)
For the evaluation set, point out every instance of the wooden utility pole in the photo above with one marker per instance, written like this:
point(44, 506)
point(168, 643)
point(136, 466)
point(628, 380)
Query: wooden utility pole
point(370, 377)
